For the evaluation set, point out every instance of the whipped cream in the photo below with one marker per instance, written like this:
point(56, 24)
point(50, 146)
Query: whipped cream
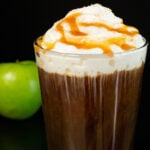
point(91, 29)
point(90, 41)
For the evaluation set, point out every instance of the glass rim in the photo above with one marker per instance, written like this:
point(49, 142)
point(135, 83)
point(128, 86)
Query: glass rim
point(146, 43)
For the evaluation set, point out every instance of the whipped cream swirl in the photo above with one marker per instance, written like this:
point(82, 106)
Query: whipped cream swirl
point(91, 29)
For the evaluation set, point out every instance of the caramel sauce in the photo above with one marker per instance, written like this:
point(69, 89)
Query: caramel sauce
point(71, 20)
point(81, 40)
point(48, 45)
point(124, 29)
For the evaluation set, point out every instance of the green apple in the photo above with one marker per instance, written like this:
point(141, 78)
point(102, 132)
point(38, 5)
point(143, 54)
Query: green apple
point(20, 96)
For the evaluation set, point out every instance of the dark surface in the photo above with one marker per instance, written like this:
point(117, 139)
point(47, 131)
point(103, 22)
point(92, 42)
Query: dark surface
point(26, 134)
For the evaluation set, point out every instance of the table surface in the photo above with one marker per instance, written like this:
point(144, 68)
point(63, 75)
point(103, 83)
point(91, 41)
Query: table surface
point(30, 134)
point(27, 134)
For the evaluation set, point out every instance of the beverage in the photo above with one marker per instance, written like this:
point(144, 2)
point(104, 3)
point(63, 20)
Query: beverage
point(90, 68)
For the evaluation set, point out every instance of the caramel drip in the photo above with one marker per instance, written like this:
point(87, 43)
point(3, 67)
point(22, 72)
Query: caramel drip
point(39, 42)
point(124, 29)
point(48, 45)
point(81, 40)
point(71, 20)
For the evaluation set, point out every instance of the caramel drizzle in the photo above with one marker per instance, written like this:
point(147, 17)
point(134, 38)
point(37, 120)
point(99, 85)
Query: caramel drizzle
point(81, 40)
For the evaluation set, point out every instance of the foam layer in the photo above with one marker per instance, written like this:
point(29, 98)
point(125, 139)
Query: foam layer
point(80, 65)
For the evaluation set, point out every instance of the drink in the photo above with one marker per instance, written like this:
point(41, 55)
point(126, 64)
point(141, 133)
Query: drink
point(90, 97)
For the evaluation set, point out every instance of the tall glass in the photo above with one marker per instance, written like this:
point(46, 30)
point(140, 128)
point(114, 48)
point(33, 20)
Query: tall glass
point(90, 102)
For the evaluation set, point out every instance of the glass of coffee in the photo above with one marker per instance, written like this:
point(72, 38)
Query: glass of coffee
point(90, 95)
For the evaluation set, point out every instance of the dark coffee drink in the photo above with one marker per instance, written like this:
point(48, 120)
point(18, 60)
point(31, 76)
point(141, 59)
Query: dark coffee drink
point(90, 113)
point(90, 68)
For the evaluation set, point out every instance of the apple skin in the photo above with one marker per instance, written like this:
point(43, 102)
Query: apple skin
point(20, 96)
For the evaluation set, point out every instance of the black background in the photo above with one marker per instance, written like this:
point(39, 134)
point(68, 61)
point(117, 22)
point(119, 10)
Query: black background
point(21, 22)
